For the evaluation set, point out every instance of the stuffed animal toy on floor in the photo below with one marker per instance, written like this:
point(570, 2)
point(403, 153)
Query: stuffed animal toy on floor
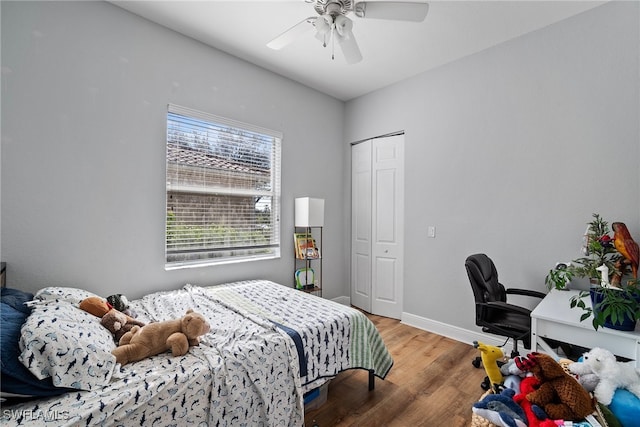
point(559, 394)
point(510, 368)
point(582, 373)
point(611, 374)
point(501, 410)
point(536, 417)
point(155, 338)
point(490, 355)
point(512, 375)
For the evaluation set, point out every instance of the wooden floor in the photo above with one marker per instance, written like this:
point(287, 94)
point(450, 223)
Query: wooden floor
point(432, 383)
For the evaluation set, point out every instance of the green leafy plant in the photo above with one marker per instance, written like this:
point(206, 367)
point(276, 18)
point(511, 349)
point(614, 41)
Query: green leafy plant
point(559, 278)
point(600, 251)
point(613, 305)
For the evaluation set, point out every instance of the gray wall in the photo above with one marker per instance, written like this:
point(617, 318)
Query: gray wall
point(85, 87)
point(510, 151)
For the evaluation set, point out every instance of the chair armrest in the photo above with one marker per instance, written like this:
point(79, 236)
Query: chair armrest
point(526, 292)
point(504, 306)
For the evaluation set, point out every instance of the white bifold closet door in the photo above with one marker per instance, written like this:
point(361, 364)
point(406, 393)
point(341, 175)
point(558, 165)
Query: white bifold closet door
point(377, 225)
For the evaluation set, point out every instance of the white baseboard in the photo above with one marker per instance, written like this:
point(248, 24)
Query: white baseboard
point(344, 300)
point(454, 332)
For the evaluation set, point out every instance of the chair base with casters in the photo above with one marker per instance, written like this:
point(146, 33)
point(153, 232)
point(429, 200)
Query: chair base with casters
point(494, 314)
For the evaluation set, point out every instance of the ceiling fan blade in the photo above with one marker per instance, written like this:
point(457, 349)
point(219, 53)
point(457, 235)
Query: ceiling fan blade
point(400, 11)
point(292, 33)
point(350, 50)
point(348, 44)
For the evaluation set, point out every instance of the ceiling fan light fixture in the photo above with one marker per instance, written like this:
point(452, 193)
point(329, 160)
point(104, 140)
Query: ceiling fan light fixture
point(332, 23)
point(323, 24)
point(344, 25)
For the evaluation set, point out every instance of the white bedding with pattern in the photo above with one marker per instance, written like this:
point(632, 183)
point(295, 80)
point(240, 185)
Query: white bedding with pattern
point(335, 337)
point(246, 371)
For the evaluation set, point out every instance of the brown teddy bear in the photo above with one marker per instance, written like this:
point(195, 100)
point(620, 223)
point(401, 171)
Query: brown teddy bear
point(559, 394)
point(115, 321)
point(155, 338)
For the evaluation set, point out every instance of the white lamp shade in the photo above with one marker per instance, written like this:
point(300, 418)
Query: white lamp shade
point(309, 212)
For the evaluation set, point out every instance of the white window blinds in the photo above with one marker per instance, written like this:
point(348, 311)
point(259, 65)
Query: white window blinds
point(223, 190)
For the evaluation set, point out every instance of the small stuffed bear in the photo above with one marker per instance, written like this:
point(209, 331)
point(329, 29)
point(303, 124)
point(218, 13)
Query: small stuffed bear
point(115, 321)
point(559, 394)
point(155, 338)
point(612, 374)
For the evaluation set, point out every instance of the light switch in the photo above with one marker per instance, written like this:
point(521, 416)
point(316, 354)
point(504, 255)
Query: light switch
point(431, 231)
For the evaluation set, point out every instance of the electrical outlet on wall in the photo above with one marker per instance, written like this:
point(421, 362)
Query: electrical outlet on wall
point(431, 231)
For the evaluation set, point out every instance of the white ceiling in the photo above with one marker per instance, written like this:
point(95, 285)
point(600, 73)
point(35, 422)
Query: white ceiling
point(392, 50)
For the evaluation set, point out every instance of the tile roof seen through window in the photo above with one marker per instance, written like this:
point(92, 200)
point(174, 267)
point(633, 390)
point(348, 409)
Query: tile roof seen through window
point(196, 158)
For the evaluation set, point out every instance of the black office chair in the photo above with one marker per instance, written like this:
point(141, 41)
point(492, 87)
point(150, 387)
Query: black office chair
point(493, 313)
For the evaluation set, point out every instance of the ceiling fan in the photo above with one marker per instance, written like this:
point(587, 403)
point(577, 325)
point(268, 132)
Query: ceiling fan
point(333, 24)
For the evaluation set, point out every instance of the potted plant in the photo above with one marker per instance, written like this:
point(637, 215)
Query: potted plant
point(598, 251)
point(616, 308)
point(613, 304)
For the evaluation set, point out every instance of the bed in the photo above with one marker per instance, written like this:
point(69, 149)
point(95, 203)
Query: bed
point(268, 345)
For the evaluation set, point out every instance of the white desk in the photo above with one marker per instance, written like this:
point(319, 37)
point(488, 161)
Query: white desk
point(554, 318)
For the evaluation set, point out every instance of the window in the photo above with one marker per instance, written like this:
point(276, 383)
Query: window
point(223, 190)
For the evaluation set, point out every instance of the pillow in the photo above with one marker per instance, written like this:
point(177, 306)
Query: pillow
point(55, 293)
point(67, 344)
point(16, 379)
point(16, 299)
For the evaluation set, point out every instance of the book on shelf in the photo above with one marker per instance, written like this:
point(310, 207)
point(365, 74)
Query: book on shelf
point(305, 246)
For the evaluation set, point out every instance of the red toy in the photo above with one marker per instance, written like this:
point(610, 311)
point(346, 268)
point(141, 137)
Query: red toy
point(534, 414)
